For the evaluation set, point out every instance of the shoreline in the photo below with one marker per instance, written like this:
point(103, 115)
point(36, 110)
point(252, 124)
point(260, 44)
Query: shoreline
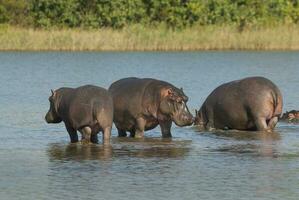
point(146, 39)
point(144, 51)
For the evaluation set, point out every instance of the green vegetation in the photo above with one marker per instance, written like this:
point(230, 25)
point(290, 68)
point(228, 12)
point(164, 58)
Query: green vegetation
point(148, 24)
point(142, 38)
point(173, 13)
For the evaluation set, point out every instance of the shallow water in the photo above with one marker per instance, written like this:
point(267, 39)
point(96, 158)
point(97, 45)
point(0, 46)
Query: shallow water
point(37, 161)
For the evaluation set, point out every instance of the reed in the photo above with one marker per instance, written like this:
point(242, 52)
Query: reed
point(139, 38)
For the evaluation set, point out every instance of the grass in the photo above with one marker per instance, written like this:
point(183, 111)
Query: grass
point(283, 37)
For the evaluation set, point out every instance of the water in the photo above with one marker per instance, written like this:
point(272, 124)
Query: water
point(37, 161)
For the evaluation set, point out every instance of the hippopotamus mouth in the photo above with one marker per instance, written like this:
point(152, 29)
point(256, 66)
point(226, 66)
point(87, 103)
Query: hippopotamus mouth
point(182, 119)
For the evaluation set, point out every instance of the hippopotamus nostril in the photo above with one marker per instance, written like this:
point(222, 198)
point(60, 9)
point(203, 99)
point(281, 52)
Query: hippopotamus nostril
point(47, 118)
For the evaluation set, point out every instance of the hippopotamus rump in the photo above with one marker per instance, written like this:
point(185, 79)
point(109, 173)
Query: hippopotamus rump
point(253, 103)
point(290, 116)
point(87, 109)
point(142, 104)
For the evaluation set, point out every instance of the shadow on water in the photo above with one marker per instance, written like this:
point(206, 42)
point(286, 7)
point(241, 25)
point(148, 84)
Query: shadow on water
point(120, 147)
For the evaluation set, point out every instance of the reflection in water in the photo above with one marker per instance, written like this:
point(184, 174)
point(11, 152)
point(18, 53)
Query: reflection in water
point(243, 135)
point(249, 142)
point(79, 152)
point(249, 135)
point(120, 147)
point(267, 150)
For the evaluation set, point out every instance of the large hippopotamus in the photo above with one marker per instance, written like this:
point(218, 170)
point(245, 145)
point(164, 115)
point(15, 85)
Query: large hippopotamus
point(142, 104)
point(253, 103)
point(290, 116)
point(87, 109)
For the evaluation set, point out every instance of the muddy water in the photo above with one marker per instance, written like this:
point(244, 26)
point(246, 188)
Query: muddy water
point(37, 161)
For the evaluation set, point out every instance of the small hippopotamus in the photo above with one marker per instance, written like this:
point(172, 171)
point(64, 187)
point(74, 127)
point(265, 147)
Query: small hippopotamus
point(253, 103)
point(87, 109)
point(291, 116)
point(142, 104)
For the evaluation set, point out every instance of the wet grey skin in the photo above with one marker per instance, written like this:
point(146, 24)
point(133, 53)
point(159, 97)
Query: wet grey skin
point(87, 109)
point(143, 104)
point(253, 103)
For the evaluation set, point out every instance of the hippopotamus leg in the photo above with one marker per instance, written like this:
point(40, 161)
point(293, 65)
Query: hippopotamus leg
point(132, 133)
point(94, 138)
point(86, 134)
point(121, 133)
point(106, 134)
point(140, 125)
point(210, 126)
point(263, 120)
point(210, 123)
point(73, 134)
point(261, 124)
point(165, 126)
point(272, 123)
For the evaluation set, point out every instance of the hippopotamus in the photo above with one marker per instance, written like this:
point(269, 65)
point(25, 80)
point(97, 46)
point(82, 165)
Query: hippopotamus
point(253, 103)
point(290, 116)
point(87, 109)
point(140, 104)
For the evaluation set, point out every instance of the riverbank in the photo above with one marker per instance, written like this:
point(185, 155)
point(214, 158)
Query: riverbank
point(283, 37)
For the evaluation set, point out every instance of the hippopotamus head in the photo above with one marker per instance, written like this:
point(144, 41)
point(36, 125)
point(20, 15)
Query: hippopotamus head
point(291, 116)
point(52, 115)
point(173, 104)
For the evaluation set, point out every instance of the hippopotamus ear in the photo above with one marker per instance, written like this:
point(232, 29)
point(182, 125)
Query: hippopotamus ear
point(170, 93)
point(53, 93)
point(182, 94)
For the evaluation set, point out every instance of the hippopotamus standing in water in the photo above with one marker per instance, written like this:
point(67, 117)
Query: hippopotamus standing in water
point(88, 109)
point(253, 103)
point(142, 104)
point(291, 116)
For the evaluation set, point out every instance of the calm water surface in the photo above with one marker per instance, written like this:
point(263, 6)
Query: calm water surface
point(37, 161)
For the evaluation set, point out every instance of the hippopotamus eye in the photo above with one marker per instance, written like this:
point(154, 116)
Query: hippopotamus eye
point(179, 100)
point(181, 103)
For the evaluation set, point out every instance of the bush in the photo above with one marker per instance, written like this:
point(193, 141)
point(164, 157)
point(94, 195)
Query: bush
point(3, 15)
point(173, 13)
point(14, 12)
